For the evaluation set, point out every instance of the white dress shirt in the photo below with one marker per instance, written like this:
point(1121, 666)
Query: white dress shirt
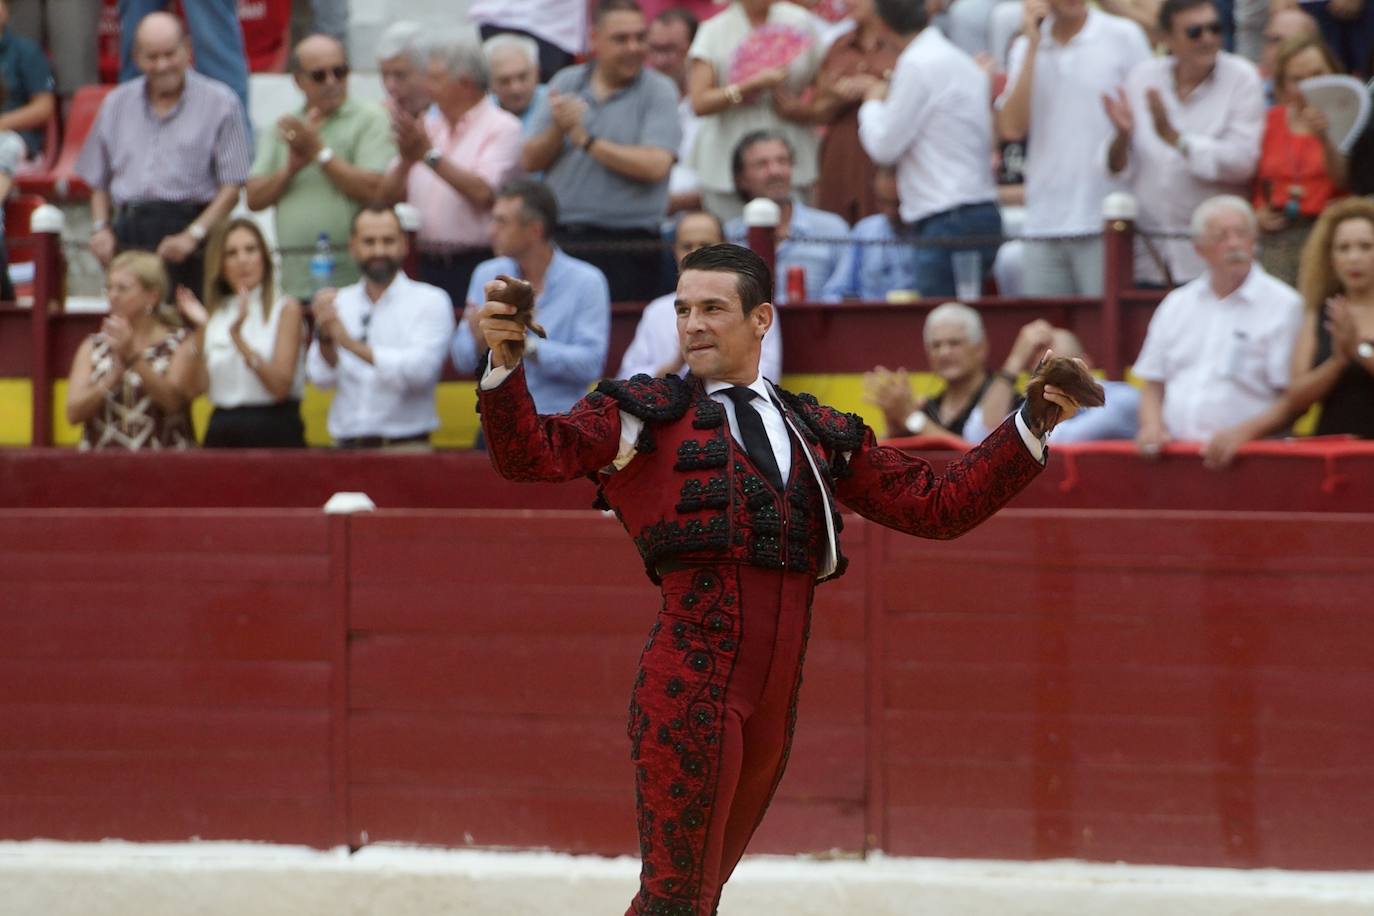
point(1068, 123)
point(408, 329)
point(1220, 123)
point(1221, 361)
point(656, 342)
point(232, 382)
point(935, 126)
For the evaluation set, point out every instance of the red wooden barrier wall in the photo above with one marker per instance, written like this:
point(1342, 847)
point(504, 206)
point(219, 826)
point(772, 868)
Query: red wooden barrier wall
point(1180, 687)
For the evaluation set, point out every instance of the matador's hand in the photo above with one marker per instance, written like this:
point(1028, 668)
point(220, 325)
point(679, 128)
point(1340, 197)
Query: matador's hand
point(506, 314)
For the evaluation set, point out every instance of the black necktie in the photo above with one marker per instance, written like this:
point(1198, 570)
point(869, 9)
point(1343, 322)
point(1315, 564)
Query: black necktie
point(755, 436)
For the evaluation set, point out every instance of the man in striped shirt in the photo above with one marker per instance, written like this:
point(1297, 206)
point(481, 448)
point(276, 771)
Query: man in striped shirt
point(166, 158)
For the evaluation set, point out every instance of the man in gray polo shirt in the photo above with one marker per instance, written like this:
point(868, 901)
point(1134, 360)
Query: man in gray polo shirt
point(606, 145)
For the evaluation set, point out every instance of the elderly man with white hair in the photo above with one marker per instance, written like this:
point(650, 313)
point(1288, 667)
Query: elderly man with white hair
point(452, 159)
point(957, 350)
point(513, 70)
point(1216, 357)
point(401, 62)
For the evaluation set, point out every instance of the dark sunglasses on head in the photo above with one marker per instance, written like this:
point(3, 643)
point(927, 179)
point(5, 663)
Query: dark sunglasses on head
point(340, 73)
point(1194, 32)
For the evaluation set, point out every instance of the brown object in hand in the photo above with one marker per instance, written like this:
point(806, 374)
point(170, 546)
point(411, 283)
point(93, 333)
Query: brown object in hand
point(1070, 376)
point(520, 294)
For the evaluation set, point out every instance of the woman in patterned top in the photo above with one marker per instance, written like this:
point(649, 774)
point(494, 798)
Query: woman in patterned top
point(120, 385)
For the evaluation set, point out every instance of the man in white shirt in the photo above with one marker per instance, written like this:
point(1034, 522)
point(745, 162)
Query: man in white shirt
point(1067, 58)
point(380, 343)
point(1216, 357)
point(656, 349)
point(932, 123)
point(1188, 127)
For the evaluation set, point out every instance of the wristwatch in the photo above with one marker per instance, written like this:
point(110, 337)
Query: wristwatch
point(432, 157)
point(1365, 350)
point(916, 422)
point(196, 231)
point(324, 155)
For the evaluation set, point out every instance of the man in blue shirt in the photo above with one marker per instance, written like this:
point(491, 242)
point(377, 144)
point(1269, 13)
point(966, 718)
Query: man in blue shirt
point(811, 239)
point(572, 300)
point(29, 99)
point(877, 261)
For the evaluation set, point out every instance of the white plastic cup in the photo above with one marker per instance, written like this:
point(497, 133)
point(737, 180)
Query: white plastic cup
point(968, 275)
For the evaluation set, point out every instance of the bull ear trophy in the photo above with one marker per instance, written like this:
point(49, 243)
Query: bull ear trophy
point(520, 294)
point(1069, 376)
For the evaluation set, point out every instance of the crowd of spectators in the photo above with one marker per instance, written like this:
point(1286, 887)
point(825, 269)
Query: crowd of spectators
point(574, 150)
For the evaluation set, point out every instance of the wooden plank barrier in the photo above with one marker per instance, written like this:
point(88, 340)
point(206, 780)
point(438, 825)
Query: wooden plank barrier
point(1182, 687)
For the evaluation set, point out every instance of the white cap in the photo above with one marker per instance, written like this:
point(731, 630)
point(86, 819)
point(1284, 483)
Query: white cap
point(1119, 205)
point(762, 212)
point(47, 218)
point(348, 503)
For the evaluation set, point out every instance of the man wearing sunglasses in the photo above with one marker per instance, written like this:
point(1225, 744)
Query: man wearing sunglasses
point(320, 164)
point(1187, 128)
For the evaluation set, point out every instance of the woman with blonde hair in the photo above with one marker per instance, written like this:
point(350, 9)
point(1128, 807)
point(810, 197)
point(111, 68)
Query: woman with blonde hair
point(121, 385)
point(1333, 358)
point(250, 340)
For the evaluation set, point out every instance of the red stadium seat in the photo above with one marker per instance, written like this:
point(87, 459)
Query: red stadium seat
point(61, 181)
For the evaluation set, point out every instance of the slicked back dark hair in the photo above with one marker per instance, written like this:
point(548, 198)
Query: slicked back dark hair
point(1172, 8)
point(753, 279)
point(905, 17)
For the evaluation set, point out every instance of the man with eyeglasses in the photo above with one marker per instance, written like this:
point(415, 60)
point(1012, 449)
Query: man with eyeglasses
point(380, 343)
point(1187, 128)
point(166, 157)
point(320, 164)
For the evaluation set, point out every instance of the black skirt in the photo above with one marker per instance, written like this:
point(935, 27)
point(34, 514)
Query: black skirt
point(266, 426)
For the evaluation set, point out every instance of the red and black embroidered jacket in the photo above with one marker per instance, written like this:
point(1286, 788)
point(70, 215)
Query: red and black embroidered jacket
point(690, 493)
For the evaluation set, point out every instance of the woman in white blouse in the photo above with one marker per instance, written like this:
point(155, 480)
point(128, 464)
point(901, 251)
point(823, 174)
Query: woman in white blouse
point(252, 362)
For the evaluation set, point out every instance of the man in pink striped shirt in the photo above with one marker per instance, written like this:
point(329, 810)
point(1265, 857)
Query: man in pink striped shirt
point(451, 161)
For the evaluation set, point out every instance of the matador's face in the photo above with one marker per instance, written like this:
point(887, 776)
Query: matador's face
point(718, 340)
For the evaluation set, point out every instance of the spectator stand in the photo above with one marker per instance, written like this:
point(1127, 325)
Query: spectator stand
point(827, 348)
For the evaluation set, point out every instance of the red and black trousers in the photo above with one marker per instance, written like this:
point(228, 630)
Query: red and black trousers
point(711, 721)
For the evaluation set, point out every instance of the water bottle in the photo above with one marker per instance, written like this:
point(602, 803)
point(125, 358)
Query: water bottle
point(322, 264)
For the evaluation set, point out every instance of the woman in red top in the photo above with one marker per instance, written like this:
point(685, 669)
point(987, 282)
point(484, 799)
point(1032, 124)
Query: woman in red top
point(1300, 169)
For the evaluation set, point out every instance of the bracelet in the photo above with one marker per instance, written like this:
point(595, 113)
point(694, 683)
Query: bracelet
point(1008, 377)
point(587, 144)
point(733, 94)
point(98, 225)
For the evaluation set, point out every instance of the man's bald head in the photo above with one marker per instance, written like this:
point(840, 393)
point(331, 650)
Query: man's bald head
point(159, 29)
point(162, 54)
point(320, 65)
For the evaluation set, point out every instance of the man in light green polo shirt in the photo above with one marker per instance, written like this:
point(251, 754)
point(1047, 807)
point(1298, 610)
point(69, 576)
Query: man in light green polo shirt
point(320, 165)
